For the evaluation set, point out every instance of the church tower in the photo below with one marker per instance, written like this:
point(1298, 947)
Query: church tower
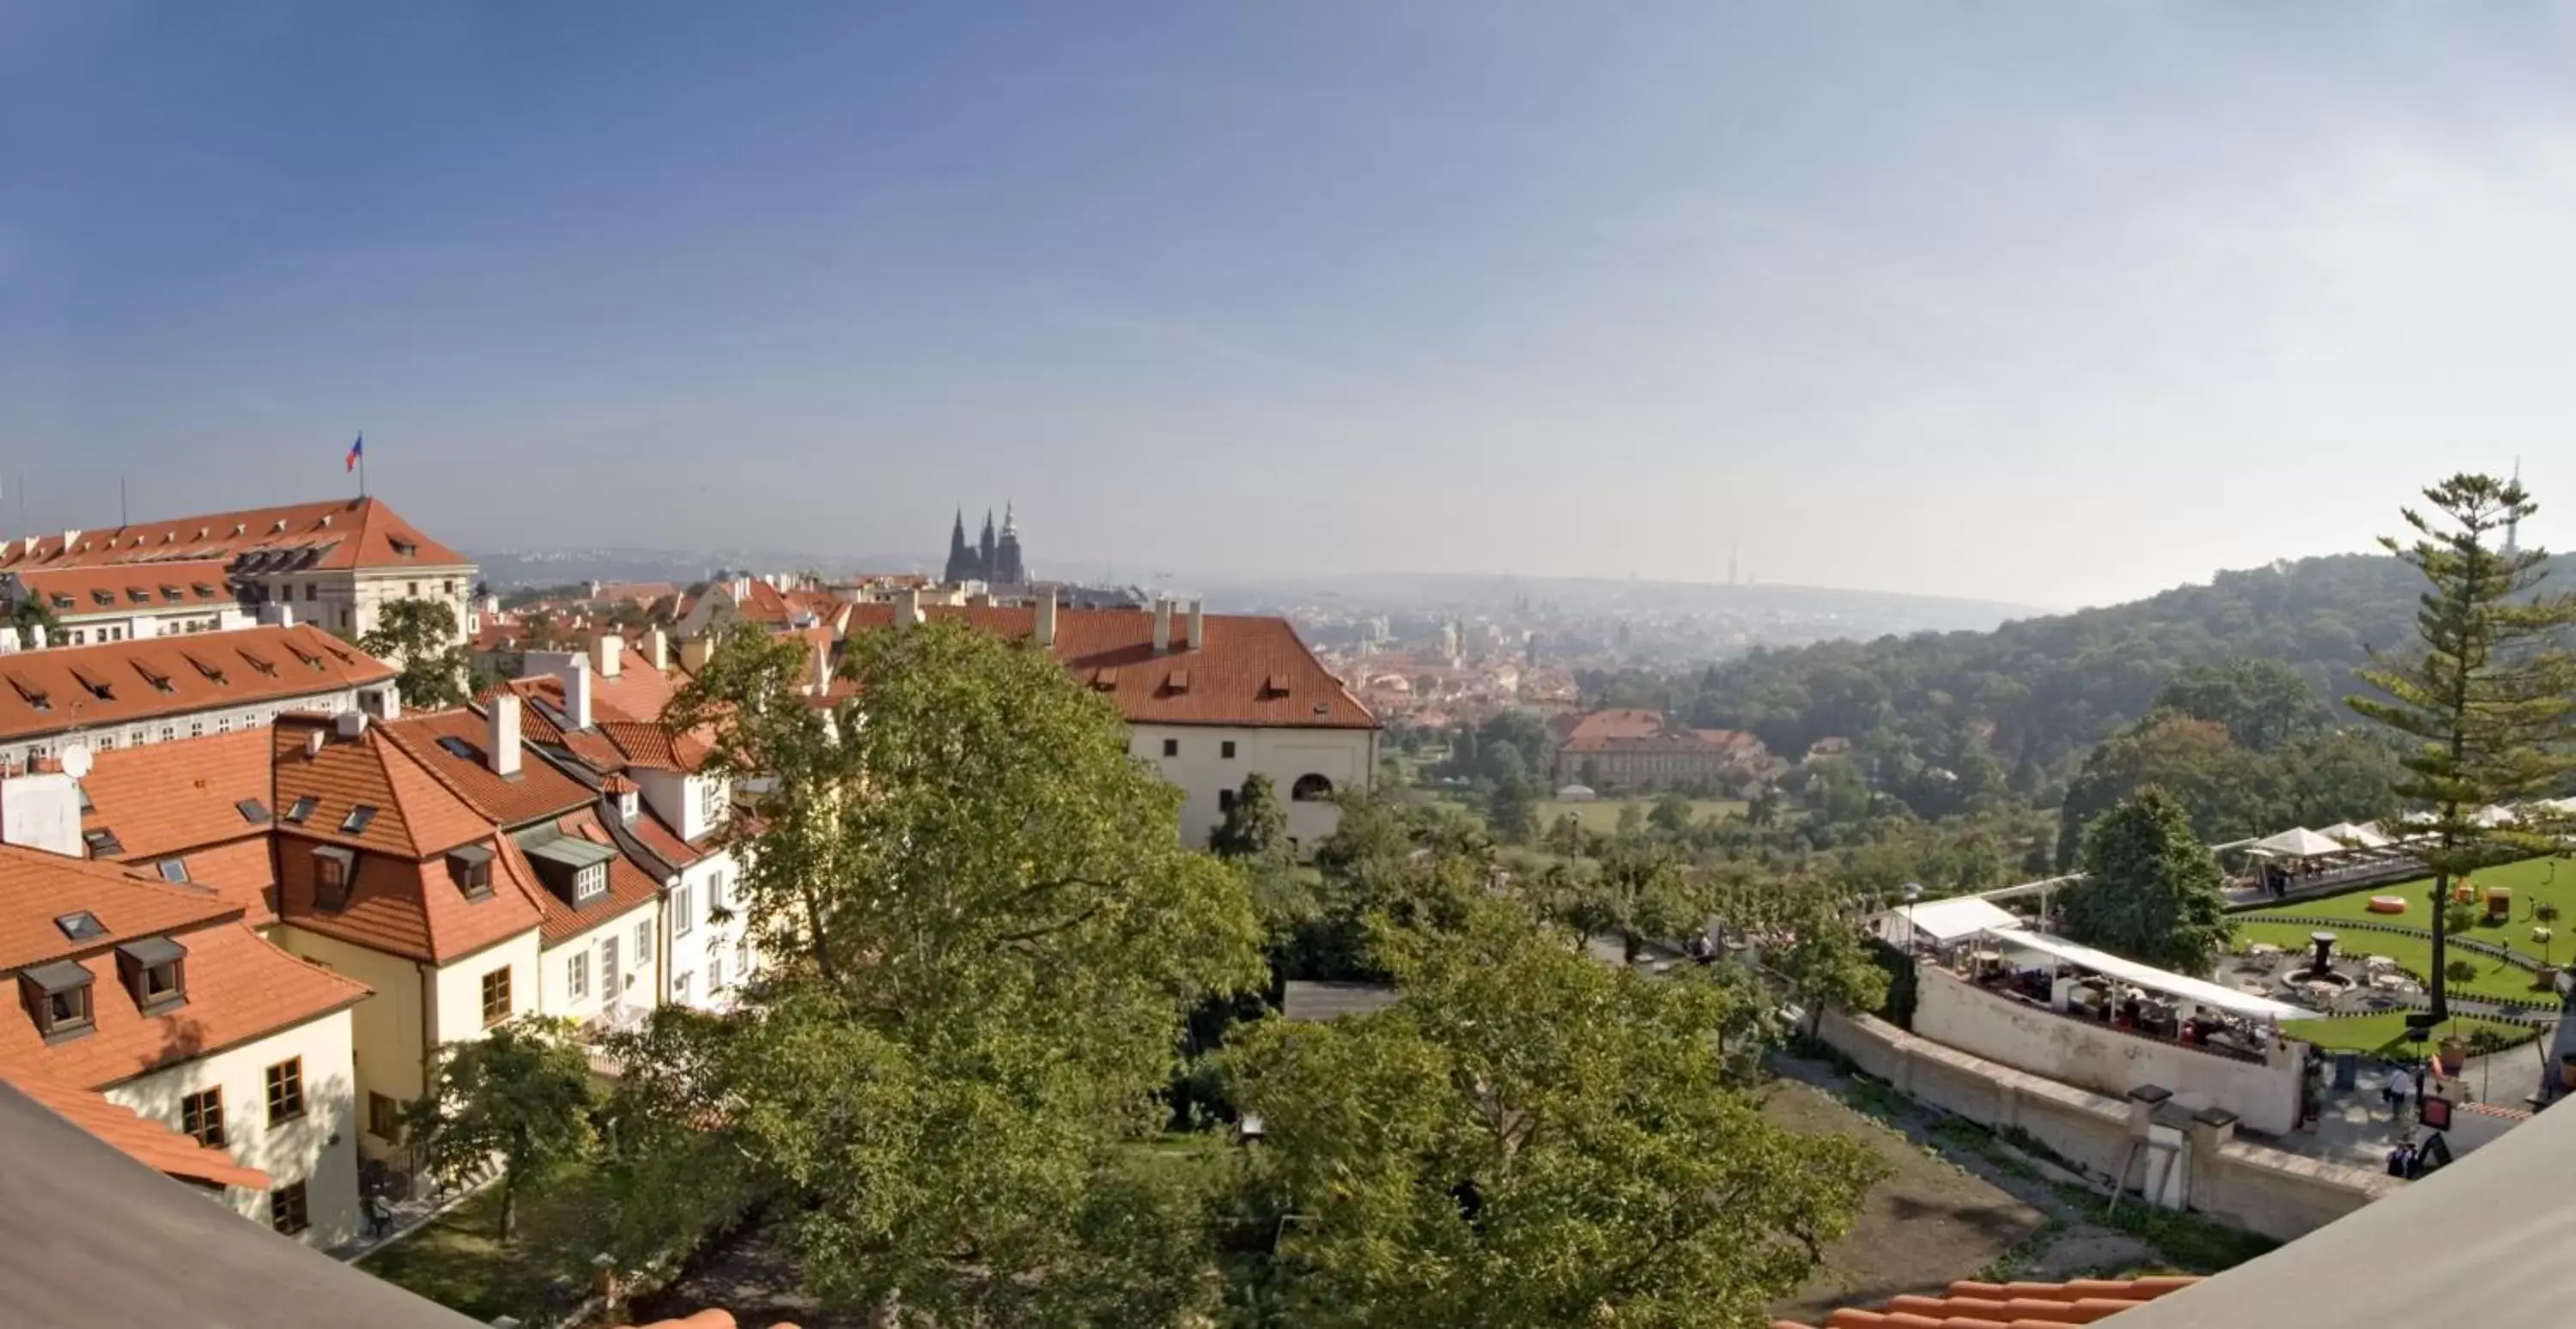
point(984, 549)
point(961, 559)
point(1006, 555)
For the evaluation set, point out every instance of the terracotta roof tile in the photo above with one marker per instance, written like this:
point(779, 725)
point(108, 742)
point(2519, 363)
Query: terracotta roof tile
point(1977, 1305)
point(630, 887)
point(149, 1142)
point(36, 888)
point(165, 798)
point(1251, 671)
point(340, 533)
point(415, 815)
point(152, 678)
point(536, 792)
point(239, 988)
point(654, 747)
point(408, 907)
point(131, 587)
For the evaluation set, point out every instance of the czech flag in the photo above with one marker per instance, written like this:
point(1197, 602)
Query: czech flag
point(356, 450)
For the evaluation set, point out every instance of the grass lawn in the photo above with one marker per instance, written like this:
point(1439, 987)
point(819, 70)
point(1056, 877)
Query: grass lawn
point(2532, 880)
point(2384, 1035)
point(1602, 815)
point(543, 1271)
point(2495, 978)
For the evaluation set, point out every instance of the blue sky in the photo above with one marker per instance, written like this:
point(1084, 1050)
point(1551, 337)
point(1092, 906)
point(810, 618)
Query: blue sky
point(2055, 303)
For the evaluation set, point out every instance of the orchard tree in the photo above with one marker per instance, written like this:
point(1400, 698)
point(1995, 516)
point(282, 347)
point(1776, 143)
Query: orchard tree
point(420, 638)
point(521, 1093)
point(2486, 697)
point(1530, 1138)
point(988, 936)
point(2150, 891)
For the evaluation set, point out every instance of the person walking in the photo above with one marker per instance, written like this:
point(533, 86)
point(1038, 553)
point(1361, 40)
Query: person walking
point(2398, 1091)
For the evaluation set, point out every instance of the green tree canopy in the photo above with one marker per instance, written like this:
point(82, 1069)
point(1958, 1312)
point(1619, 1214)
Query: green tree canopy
point(1529, 1138)
point(2150, 891)
point(987, 939)
point(521, 1093)
point(2486, 697)
point(420, 637)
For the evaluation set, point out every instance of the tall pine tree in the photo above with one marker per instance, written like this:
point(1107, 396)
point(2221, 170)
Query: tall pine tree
point(2487, 692)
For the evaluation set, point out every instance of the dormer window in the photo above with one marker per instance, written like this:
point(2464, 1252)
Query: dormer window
point(333, 870)
point(405, 548)
point(471, 867)
point(57, 995)
point(575, 869)
point(155, 970)
point(626, 806)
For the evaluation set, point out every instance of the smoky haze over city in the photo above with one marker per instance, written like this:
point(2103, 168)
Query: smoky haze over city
point(2047, 306)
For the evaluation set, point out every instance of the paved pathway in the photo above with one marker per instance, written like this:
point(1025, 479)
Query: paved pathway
point(414, 1211)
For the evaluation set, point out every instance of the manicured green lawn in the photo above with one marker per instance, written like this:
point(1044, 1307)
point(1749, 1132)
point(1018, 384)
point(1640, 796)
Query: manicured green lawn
point(456, 1262)
point(2384, 1035)
point(1602, 815)
point(2550, 879)
point(2495, 978)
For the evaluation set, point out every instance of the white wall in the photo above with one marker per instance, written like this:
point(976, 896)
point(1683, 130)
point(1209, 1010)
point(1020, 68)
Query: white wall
point(456, 1010)
point(1955, 1013)
point(319, 1149)
point(190, 724)
point(1347, 757)
point(42, 811)
point(705, 939)
point(555, 965)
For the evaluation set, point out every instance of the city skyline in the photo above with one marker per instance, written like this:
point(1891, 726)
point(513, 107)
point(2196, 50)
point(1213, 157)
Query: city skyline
point(2054, 308)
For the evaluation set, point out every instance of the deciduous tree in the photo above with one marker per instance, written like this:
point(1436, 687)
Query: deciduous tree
point(2150, 891)
point(521, 1093)
point(1530, 1138)
point(420, 638)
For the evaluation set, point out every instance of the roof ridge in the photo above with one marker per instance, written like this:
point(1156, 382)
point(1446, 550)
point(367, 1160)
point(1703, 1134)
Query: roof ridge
point(410, 836)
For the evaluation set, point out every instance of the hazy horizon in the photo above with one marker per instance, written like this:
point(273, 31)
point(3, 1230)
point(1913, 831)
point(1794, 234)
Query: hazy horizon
point(2036, 304)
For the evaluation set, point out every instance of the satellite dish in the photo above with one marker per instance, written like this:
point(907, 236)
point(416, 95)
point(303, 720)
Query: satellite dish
point(75, 760)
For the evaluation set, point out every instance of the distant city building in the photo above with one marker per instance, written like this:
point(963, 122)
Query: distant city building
point(994, 559)
point(1634, 749)
point(336, 561)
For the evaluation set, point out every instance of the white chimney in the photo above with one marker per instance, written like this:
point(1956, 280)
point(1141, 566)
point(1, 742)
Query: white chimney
point(501, 745)
point(1198, 625)
point(607, 653)
point(35, 636)
point(822, 667)
point(313, 741)
point(351, 724)
point(68, 537)
point(279, 615)
point(1162, 624)
point(657, 650)
point(577, 686)
point(8, 640)
point(907, 607)
point(1045, 632)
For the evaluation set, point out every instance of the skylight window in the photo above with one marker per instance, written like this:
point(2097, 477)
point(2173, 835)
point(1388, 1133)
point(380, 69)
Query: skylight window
point(80, 926)
point(102, 843)
point(252, 811)
point(172, 869)
point(457, 747)
point(356, 822)
point(302, 809)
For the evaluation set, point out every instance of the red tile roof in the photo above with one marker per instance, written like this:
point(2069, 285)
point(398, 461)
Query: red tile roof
point(166, 798)
point(131, 588)
point(340, 534)
point(1251, 671)
point(415, 815)
point(140, 1138)
point(239, 987)
point(1975, 1305)
point(630, 887)
point(654, 747)
point(150, 678)
point(538, 791)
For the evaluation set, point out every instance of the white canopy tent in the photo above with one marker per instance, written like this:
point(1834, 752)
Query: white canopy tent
point(2355, 836)
point(1945, 921)
point(2179, 986)
point(2296, 842)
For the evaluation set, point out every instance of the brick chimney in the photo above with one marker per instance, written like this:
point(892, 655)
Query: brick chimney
point(657, 650)
point(501, 745)
point(1162, 625)
point(1045, 629)
point(1198, 625)
point(607, 652)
